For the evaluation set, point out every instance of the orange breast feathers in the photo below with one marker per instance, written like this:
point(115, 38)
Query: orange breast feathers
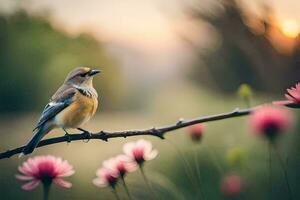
point(78, 113)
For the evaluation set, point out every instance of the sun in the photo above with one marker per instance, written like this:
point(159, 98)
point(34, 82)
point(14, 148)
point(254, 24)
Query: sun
point(290, 28)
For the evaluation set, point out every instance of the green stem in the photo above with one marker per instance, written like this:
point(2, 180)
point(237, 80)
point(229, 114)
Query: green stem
point(270, 169)
point(198, 173)
point(46, 190)
point(284, 172)
point(247, 102)
point(213, 156)
point(147, 182)
point(126, 188)
point(114, 191)
point(145, 178)
point(187, 167)
point(197, 164)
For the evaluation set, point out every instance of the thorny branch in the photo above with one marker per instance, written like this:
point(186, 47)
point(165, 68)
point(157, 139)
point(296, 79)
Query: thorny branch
point(158, 132)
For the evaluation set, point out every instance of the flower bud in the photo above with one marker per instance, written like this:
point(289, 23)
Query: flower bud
point(196, 132)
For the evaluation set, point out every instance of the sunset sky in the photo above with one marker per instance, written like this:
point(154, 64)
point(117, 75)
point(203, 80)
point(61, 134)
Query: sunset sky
point(144, 32)
point(142, 21)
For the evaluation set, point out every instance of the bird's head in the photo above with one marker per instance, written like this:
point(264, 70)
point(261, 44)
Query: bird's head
point(81, 76)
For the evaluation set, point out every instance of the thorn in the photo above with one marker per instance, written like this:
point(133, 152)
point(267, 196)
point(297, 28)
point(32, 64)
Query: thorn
point(161, 136)
point(103, 136)
point(21, 155)
point(236, 110)
point(157, 133)
point(180, 121)
point(154, 130)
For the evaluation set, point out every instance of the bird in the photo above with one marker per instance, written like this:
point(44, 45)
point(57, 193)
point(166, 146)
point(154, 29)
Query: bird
point(72, 105)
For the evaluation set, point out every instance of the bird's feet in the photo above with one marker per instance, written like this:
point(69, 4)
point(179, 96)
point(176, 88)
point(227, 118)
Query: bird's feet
point(67, 135)
point(87, 133)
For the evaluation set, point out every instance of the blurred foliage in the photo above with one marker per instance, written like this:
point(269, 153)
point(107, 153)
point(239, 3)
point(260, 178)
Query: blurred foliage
point(245, 91)
point(236, 157)
point(245, 55)
point(35, 58)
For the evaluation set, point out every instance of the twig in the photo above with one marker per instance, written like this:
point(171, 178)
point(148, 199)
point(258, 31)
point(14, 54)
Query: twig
point(158, 132)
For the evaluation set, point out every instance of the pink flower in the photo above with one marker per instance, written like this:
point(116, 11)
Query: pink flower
point(293, 97)
point(196, 132)
point(270, 121)
point(45, 169)
point(121, 163)
point(140, 151)
point(106, 177)
point(232, 185)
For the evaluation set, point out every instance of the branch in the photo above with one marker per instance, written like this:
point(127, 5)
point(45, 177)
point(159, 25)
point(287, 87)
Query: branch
point(158, 132)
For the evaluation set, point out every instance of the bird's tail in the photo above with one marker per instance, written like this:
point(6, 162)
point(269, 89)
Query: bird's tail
point(34, 141)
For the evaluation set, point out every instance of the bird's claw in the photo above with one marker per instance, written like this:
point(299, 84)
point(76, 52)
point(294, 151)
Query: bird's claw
point(88, 136)
point(68, 137)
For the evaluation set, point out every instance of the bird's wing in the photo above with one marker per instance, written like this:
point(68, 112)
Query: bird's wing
point(58, 103)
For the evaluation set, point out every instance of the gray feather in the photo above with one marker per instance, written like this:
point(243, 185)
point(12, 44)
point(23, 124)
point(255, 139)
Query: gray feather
point(34, 141)
point(52, 109)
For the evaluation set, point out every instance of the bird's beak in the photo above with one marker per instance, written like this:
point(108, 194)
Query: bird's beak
point(94, 72)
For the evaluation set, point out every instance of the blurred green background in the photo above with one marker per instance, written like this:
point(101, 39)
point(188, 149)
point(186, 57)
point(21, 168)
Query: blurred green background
point(161, 61)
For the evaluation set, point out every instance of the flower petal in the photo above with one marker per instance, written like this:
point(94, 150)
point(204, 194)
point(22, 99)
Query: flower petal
point(62, 183)
point(31, 185)
point(39, 166)
point(123, 158)
point(67, 173)
point(131, 167)
point(24, 178)
point(144, 144)
point(64, 169)
point(128, 148)
point(99, 182)
point(23, 171)
point(284, 102)
point(110, 164)
point(151, 155)
point(294, 93)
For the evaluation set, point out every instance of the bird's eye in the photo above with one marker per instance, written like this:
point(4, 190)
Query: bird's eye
point(82, 75)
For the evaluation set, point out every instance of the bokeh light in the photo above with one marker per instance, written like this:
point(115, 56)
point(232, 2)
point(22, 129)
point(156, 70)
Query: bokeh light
point(290, 28)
